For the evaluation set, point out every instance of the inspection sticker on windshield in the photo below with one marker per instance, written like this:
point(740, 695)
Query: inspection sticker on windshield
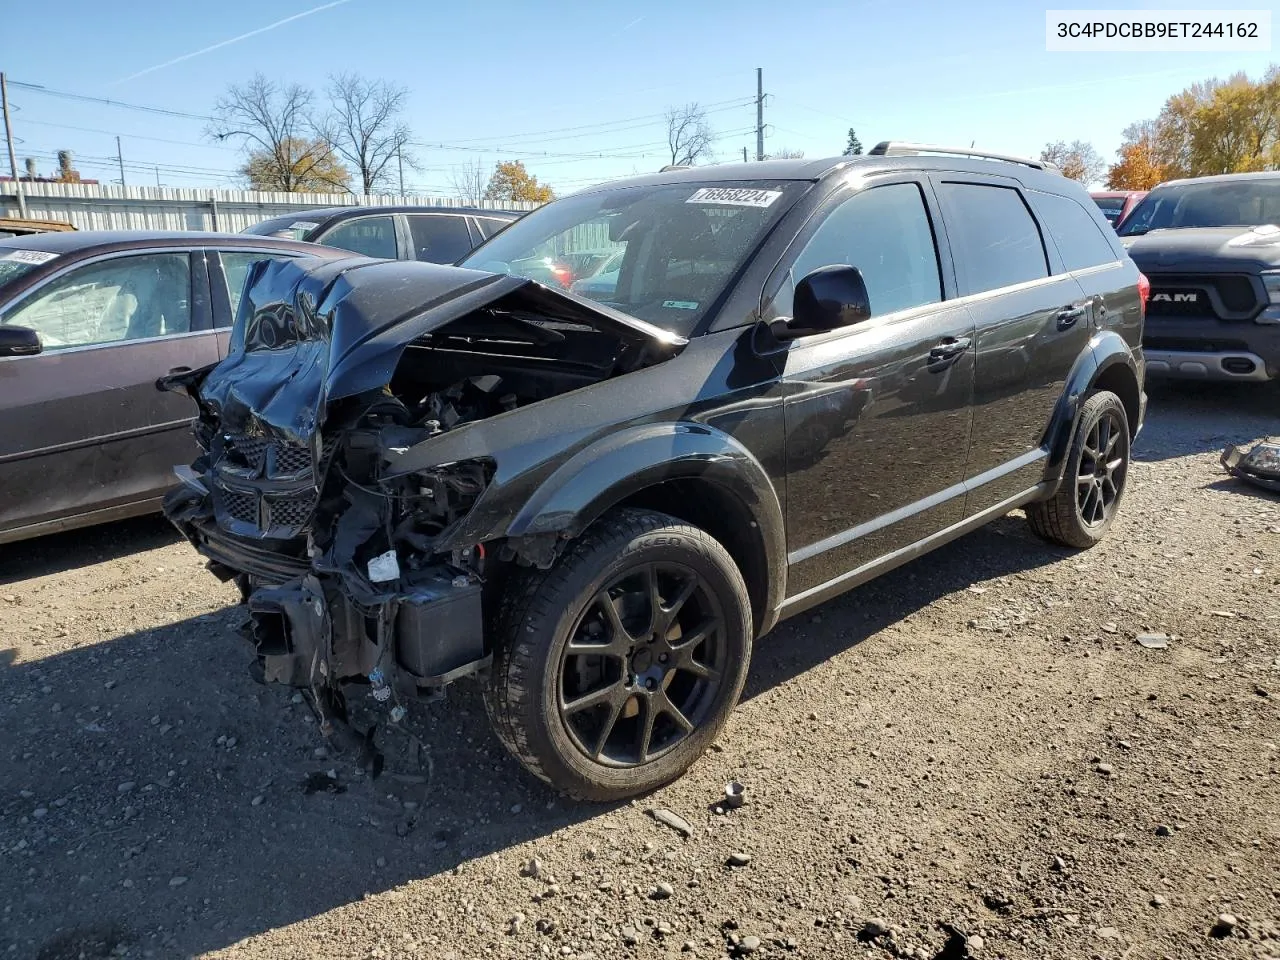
point(681, 304)
point(29, 256)
point(303, 225)
point(735, 196)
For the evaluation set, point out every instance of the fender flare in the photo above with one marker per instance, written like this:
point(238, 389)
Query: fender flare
point(1107, 350)
point(615, 467)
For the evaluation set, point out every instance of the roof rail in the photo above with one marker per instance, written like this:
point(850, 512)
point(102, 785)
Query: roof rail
point(894, 148)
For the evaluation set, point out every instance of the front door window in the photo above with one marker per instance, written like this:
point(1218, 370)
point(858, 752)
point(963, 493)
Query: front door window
point(128, 298)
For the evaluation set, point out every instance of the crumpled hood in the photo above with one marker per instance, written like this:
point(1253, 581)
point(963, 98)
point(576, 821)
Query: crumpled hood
point(311, 332)
point(1231, 248)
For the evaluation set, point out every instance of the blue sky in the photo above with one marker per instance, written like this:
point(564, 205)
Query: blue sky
point(575, 89)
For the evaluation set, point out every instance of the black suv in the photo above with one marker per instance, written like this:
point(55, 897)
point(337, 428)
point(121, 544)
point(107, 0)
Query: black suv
point(805, 374)
point(1211, 249)
point(434, 234)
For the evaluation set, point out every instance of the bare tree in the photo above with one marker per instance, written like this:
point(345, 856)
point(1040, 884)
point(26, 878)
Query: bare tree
point(688, 134)
point(470, 180)
point(364, 127)
point(274, 124)
point(786, 153)
point(1077, 160)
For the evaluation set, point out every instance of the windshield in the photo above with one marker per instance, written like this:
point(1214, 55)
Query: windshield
point(1222, 203)
point(296, 227)
point(670, 250)
point(18, 263)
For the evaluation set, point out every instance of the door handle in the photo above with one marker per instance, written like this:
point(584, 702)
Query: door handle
point(173, 372)
point(948, 350)
point(1068, 316)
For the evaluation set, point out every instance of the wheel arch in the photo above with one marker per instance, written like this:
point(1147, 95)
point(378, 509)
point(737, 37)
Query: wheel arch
point(692, 472)
point(1108, 364)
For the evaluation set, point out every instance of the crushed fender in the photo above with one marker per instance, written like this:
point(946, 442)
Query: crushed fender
point(336, 482)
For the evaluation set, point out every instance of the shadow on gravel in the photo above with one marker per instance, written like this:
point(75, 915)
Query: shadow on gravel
point(76, 548)
point(1002, 547)
point(153, 796)
point(1188, 417)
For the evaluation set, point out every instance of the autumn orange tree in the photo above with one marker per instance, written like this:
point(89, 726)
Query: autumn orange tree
point(1214, 126)
point(511, 182)
point(1139, 167)
point(296, 165)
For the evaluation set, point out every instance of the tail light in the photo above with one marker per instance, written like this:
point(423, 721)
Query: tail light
point(1144, 291)
point(563, 275)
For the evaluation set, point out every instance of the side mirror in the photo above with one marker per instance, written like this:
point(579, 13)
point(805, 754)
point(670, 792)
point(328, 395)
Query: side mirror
point(18, 341)
point(829, 298)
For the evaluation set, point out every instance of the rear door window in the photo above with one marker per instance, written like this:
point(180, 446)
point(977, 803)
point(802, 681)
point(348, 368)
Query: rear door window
point(370, 236)
point(439, 238)
point(235, 268)
point(1080, 241)
point(993, 235)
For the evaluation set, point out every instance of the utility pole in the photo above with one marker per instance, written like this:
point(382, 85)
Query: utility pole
point(759, 113)
point(120, 159)
point(400, 164)
point(8, 135)
point(157, 174)
point(744, 154)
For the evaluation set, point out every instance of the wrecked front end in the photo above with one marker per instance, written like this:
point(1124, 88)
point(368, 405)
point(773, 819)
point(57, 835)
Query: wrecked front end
point(353, 567)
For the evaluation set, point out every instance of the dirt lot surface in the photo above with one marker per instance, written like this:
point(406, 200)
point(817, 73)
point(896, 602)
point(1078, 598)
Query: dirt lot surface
point(970, 756)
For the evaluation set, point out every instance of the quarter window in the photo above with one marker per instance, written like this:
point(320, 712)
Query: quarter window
point(128, 298)
point(995, 239)
point(490, 225)
point(369, 236)
point(1080, 241)
point(439, 238)
point(885, 233)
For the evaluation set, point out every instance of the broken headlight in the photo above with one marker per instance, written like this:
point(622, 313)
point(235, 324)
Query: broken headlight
point(1261, 465)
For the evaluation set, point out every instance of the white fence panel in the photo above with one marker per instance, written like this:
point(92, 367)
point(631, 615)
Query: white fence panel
point(112, 207)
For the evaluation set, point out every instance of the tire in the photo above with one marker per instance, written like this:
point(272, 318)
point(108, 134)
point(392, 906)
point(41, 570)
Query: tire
point(575, 717)
point(1085, 505)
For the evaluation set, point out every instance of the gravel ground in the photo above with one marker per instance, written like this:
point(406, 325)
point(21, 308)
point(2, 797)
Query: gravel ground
point(971, 756)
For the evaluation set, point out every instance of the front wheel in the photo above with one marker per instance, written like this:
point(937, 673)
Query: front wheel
point(618, 667)
point(1093, 483)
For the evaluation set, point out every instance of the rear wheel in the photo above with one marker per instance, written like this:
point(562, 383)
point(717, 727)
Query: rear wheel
point(1093, 484)
point(619, 666)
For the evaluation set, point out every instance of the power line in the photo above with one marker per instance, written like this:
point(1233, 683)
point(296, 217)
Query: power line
point(719, 106)
point(37, 88)
point(130, 136)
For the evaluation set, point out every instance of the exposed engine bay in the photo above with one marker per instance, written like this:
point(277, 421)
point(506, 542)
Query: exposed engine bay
point(349, 564)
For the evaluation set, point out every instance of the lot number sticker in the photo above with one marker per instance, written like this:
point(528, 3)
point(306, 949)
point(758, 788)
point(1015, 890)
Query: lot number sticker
point(735, 196)
point(29, 256)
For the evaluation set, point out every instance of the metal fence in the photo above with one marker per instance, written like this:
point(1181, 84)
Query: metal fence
point(112, 207)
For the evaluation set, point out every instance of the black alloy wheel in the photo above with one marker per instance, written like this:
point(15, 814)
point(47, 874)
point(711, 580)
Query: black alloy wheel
point(616, 669)
point(643, 665)
point(1101, 473)
point(1082, 509)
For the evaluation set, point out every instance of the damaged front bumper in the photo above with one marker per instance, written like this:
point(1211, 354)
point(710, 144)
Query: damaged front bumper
point(1259, 465)
point(314, 626)
point(354, 565)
